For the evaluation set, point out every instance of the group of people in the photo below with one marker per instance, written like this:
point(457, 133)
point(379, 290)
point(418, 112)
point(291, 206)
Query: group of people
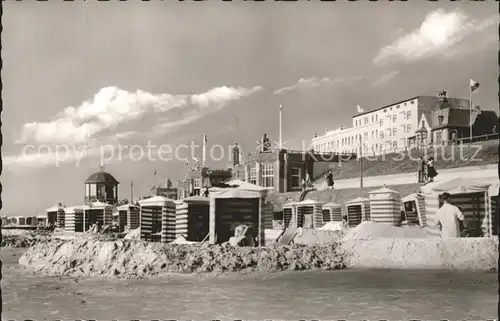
point(426, 170)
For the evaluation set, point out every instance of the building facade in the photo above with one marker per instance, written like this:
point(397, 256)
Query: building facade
point(384, 130)
point(283, 170)
point(200, 177)
point(102, 187)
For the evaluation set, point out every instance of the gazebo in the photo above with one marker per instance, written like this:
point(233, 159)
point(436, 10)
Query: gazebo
point(101, 187)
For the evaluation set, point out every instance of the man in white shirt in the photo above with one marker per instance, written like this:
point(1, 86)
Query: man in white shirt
point(448, 217)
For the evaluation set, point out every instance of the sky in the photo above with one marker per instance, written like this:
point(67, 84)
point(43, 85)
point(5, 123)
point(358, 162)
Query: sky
point(91, 84)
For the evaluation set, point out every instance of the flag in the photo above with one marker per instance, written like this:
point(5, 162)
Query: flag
point(205, 138)
point(360, 110)
point(473, 85)
point(281, 107)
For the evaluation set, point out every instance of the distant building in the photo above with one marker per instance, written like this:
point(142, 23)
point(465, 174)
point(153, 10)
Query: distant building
point(199, 178)
point(386, 129)
point(102, 187)
point(283, 170)
point(168, 190)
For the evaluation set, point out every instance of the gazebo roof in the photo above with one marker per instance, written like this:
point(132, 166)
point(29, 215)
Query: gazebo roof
point(101, 177)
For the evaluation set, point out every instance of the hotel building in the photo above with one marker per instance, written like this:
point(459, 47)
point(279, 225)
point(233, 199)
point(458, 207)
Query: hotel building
point(386, 129)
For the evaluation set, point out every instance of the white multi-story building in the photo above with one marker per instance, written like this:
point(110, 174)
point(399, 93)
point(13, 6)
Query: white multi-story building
point(382, 130)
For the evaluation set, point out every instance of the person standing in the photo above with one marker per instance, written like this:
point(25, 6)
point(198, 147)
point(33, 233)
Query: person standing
point(308, 180)
point(420, 169)
point(329, 179)
point(431, 171)
point(448, 218)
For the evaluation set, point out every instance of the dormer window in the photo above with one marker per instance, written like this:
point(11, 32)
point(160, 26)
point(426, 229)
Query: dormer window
point(440, 120)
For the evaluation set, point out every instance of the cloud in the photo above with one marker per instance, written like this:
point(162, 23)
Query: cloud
point(221, 95)
point(385, 78)
point(307, 83)
point(440, 31)
point(112, 106)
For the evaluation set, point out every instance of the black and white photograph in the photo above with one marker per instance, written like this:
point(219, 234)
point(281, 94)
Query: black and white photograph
point(249, 160)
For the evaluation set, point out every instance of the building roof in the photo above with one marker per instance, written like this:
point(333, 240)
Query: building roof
point(101, 177)
point(156, 201)
point(358, 200)
point(383, 190)
point(236, 193)
point(97, 205)
point(125, 207)
point(386, 106)
point(196, 199)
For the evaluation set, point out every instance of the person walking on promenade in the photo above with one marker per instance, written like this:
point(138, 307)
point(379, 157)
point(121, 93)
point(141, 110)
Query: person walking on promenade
point(448, 218)
point(431, 171)
point(420, 169)
point(329, 179)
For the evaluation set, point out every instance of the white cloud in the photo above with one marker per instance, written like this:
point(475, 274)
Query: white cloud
point(440, 31)
point(112, 106)
point(307, 83)
point(221, 95)
point(385, 78)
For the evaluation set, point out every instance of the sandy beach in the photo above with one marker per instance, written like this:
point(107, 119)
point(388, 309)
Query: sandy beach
point(352, 294)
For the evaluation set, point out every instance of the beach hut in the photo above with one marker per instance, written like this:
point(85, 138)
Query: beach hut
point(357, 210)
point(471, 196)
point(41, 220)
point(289, 212)
point(74, 219)
point(56, 215)
point(192, 218)
point(97, 213)
point(385, 206)
point(493, 208)
point(5, 220)
point(157, 216)
point(414, 208)
point(21, 221)
point(233, 207)
point(309, 214)
point(131, 214)
point(332, 212)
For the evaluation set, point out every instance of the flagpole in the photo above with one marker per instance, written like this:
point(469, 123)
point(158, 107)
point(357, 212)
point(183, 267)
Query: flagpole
point(280, 127)
point(470, 113)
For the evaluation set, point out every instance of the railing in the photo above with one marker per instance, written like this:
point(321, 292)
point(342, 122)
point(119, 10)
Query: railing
point(486, 137)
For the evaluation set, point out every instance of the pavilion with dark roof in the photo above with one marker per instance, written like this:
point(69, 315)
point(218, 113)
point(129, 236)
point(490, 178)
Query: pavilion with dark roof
point(101, 187)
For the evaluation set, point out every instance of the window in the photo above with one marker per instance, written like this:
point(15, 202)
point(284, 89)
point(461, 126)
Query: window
point(394, 131)
point(365, 136)
point(372, 118)
point(267, 170)
point(296, 177)
point(197, 183)
point(394, 145)
point(408, 128)
point(423, 125)
point(366, 120)
point(381, 135)
point(390, 108)
point(412, 102)
point(405, 104)
point(440, 120)
point(397, 107)
point(408, 114)
point(394, 118)
point(438, 138)
point(253, 175)
point(376, 117)
point(385, 110)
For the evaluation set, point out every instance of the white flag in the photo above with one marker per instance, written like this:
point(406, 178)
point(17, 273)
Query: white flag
point(360, 110)
point(281, 107)
point(473, 85)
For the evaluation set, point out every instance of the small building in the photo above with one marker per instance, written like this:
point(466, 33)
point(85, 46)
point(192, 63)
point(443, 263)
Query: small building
point(385, 206)
point(56, 215)
point(198, 178)
point(101, 187)
point(309, 214)
point(192, 218)
point(74, 219)
point(357, 210)
point(157, 215)
point(97, 213)
point(414, 208)
point(471, 196)
point(233, 207)
point(128, 217)
point(283, 170)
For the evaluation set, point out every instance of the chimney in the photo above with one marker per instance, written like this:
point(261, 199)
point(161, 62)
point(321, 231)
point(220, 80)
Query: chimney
point(326, 130)
point(315, 135)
